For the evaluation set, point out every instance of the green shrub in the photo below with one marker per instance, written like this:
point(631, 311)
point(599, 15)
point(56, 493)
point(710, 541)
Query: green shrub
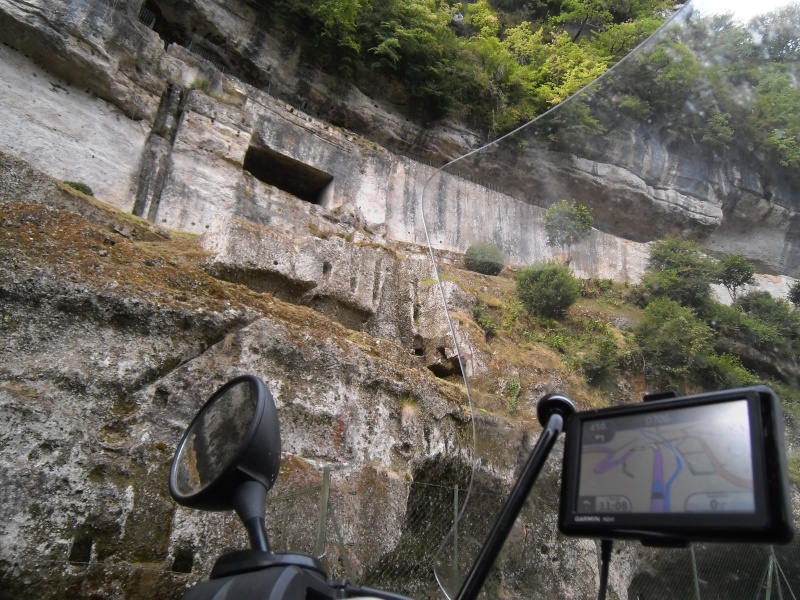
point(601, 363)
point(732, 323)
point(717, 132)
point(735, 271)
point(772, 311)
point(794, 293)
point(673, 341)
point(81, 187)
point(634, 107)
point(204, 85)
point(557, 341)
point(484, 258)
point(547, 289)
point(513, 391)
point(677, 269)
point(484, 320)
point(726, 371)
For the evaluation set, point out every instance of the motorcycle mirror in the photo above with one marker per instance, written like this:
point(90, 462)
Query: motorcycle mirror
point(230, 455)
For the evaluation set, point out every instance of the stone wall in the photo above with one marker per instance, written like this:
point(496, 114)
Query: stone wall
point(184, 145)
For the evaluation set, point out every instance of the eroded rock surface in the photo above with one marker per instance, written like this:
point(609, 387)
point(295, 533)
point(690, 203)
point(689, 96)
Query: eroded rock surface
point(184, 122)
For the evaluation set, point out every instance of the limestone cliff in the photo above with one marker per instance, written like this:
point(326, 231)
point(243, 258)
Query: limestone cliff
point(180, 133)
point(253, 235)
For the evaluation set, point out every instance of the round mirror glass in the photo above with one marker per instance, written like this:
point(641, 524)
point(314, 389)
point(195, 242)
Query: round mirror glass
point(214, 439)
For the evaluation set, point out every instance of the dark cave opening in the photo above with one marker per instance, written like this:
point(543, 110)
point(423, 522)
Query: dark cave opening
point(287, 174)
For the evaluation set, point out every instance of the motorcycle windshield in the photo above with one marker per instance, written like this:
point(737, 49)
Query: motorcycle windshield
point(648, 234)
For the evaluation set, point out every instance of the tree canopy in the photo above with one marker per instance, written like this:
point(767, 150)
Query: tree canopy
point(735, 272)
point(567, 223)
point(493, 63)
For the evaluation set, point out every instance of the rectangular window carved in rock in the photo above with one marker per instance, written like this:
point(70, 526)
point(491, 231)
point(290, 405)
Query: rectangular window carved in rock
point(286, 173)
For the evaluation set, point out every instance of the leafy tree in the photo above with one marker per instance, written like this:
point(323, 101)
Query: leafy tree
point(411, 40)
point(484, 258)
point(483, 18)
point(492, 69)
point(774, 312)
point(794, 293)
point(679, 270)
point(777, 112)
point(674, 69)
point(634, 107)
point(334, 29)
point(734, 325)
point(619, 39)
point(717, 132)
point(673, 341)
point(547, 289)
point(567, 223)
point(568, 67)
point(585, 13)
point(735, 272)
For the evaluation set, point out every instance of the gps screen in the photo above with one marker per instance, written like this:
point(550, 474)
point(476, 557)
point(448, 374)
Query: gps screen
point(685, 460)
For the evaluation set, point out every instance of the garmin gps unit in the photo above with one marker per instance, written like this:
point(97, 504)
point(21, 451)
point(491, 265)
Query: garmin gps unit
point(708, 467)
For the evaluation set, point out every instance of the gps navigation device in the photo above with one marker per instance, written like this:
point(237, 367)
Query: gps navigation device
point(708, 467)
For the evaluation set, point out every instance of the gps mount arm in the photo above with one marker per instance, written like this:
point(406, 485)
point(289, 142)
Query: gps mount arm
point(552, 411)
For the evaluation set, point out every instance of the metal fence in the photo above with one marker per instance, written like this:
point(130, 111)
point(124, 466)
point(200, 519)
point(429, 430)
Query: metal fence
point(700, 572)
point(147, 17)
point(306, 521)
point(719, 572)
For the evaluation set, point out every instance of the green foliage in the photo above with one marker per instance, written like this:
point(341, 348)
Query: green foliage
point(732, 323)
point(774, 312)
point(735, 272)
point(558, 341)
point(588, 14)
point(634, 107)
point(574, 127)
point(672, 71)
point(547, 289)
point(484, 320)
point(717, 132)
point(81, 187)
point(337, 30)
point(513, 391)
point(201, 84)
point(726, 371)
point(777, 112)
point(601, 363)
point(493, 69)
point(620, 38)
point(673, 341)
point(484, 258)
point(679, 270)
point(794, 294)
point(567, 223)
point(483, 18)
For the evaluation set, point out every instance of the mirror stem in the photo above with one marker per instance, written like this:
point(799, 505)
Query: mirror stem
point(250, 502)
point(257, 532)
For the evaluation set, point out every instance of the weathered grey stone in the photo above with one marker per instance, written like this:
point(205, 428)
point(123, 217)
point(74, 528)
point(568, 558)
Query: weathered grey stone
point(98, 380)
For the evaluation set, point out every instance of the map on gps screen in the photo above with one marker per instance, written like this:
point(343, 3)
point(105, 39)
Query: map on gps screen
point(691, 460)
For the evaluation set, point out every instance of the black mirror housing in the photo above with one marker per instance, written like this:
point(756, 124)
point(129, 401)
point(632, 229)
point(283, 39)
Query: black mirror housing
point(234, 439)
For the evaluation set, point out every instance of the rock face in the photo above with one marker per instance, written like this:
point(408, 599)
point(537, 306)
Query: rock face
point(110, 345)
point(184, 144)
point(310, 272)
point(102, 370)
